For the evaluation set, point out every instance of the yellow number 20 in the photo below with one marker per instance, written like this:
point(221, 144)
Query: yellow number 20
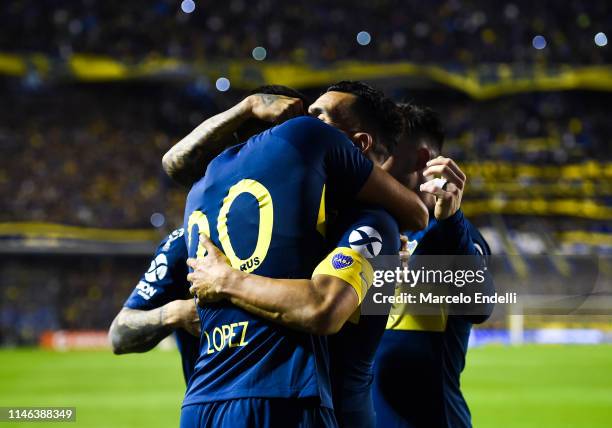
point(266, 222)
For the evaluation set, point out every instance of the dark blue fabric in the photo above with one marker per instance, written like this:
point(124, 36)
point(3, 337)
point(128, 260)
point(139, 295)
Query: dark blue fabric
point(165, 281)
point(258, 413)
point(352, 350)
point(417, 373)
point(242, 355)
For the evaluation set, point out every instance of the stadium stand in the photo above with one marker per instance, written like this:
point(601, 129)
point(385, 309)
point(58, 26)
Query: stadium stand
point(458, 32)
point(543, 148)
point(537, 155)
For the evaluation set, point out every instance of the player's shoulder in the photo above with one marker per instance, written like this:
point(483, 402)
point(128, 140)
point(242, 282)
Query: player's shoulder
point(226, 155)
point(308, 129)
point(374, 215)
point(173, 244)
point(369, 225)
point(302, 123)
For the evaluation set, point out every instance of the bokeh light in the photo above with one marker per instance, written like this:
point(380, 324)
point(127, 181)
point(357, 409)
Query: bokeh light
point(511, 11)
point(259, 53)
point(158, 219)
point(222, 84)
point(601, 39)
point(187, 6)
point(539, 42)
point(364, 38)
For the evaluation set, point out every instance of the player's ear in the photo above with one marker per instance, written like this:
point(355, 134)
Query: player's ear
point(364, 141)
point(423, 156)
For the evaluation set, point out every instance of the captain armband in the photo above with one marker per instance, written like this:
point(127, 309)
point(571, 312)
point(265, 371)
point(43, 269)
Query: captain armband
point(350, 266)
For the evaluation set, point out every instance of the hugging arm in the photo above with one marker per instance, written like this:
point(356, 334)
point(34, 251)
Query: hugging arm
point(136, 330)
point(186, 161)
point(319, 305)
point(402, 203)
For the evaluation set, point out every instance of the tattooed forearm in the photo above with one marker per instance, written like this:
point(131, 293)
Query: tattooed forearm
point(138, 331)
point(186, 161)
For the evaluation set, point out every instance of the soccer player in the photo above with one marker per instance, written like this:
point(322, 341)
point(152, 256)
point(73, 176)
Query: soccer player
point(421, 357)
point(159, 305)
point(262, 201)
point(188, 159)
point(363, 233)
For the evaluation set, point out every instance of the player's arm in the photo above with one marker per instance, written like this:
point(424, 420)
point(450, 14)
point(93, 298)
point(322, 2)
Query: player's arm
point(157, 305)
point(452, 225)
point(350, 175)
point(186, 161)
point(320, 305)
point(402, 203)
point(136, 330)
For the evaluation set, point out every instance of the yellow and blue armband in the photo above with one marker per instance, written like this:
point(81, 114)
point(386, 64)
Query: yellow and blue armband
point(350, 266)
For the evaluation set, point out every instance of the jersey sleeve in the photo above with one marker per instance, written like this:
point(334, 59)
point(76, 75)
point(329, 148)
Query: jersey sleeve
point(346, 169)
point(364, 237)
point(460, 237)
point(166, 278)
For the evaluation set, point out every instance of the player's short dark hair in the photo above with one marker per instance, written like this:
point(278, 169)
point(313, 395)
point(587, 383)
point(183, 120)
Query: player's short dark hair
point(422, 121)
point(281, 90)
point(376, 113)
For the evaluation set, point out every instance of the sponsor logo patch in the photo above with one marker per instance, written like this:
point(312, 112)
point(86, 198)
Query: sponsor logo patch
point(178, 233)
point(145, 290)
point(158, 268)
point(366, 241)
point(341, 261)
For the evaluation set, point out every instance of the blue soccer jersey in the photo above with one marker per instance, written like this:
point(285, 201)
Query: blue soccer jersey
point(263, 203)
point(421, 357)
point(371, 233)
point(165, 281)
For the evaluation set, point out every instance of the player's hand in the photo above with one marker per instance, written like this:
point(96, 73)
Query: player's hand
point(209, 274)
point(274, 108)
point(183, 314)
point(448, 195)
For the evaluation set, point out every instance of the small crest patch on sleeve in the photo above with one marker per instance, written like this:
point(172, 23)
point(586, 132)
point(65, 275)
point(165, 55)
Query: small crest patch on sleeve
point(341, 261)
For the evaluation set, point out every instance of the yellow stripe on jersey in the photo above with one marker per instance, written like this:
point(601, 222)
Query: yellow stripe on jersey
point(350, 266)
point(321, 217)
point(400, 318)
point(417, 322)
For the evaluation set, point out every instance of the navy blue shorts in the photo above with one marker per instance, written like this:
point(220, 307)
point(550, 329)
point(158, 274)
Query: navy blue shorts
point(258, 412)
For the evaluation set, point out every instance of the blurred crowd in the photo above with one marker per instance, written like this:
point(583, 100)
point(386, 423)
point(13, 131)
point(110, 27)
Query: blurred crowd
point(85, 292)
point(90, 155)
point(80, 293)
point(453, 32)
point(544, 128)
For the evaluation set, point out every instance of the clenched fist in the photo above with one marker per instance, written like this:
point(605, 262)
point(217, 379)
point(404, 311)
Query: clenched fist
point(448, 195)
